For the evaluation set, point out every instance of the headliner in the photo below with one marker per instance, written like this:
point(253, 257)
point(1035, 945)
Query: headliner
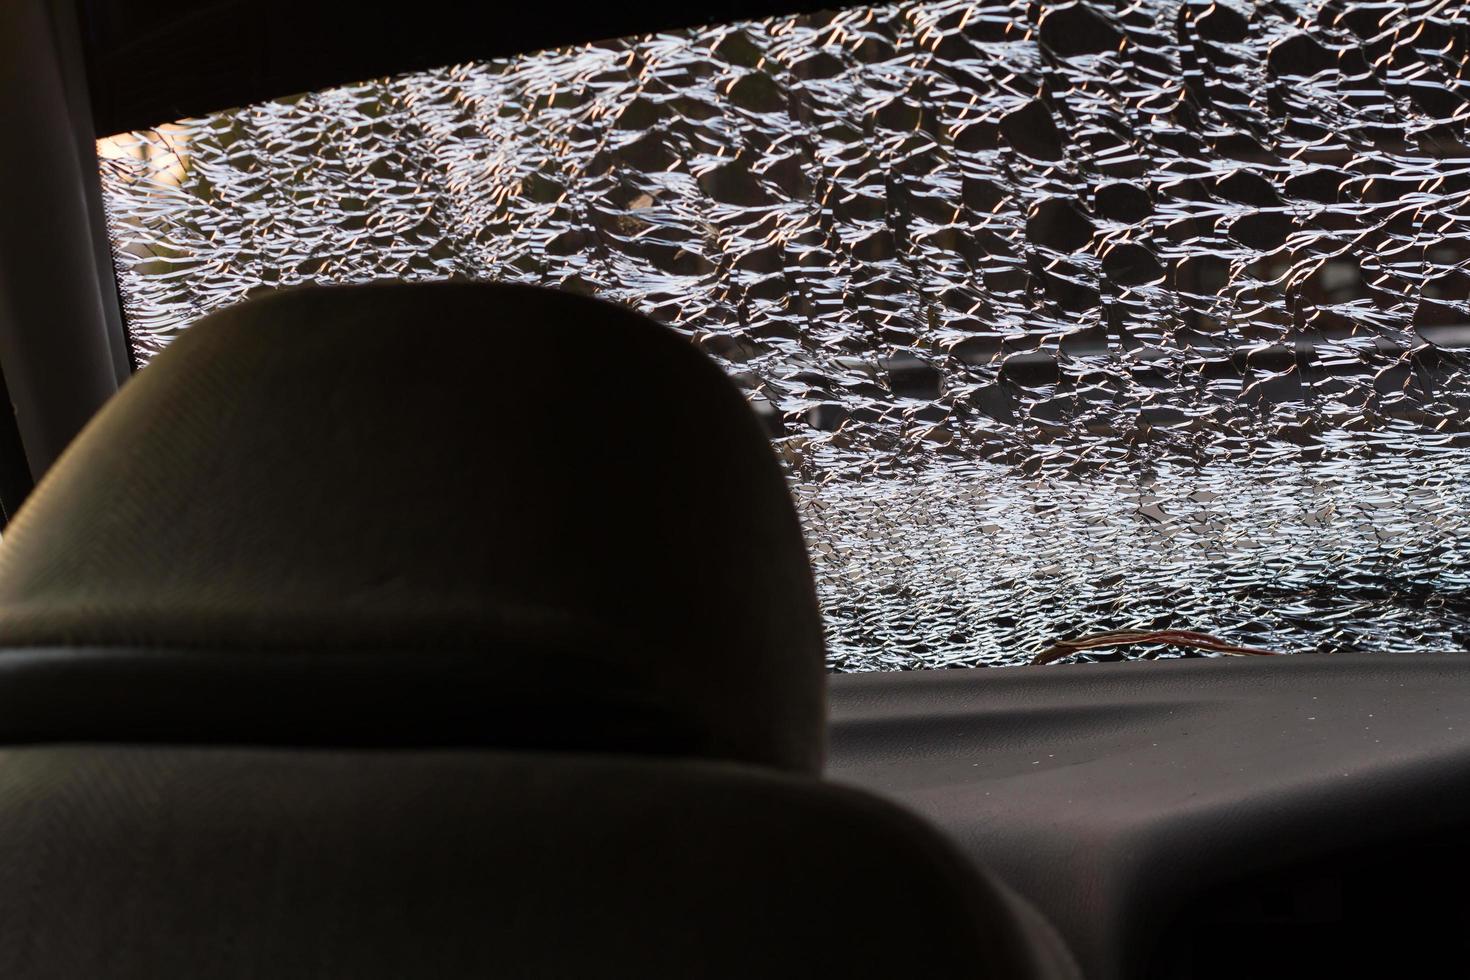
point(149, 63)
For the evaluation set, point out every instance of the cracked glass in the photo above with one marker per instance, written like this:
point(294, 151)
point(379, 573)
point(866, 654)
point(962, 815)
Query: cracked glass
point(1063, 319)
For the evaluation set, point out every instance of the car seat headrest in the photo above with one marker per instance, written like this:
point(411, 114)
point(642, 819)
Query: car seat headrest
point(562, 511)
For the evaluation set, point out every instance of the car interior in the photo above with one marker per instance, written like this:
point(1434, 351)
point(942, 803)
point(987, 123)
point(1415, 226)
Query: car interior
point(953, 488)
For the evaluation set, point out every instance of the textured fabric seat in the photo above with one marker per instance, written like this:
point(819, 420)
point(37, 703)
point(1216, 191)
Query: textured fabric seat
point(442, 630)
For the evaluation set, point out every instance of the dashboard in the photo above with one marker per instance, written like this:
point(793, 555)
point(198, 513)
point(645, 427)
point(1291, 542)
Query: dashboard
point(1199, 817)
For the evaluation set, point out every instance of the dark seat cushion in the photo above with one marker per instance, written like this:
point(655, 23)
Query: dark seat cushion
point(529, 501)
point(145, 863)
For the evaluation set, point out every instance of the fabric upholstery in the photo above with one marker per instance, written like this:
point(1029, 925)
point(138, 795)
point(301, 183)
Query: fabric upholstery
point(443, 631)
point(146, 863)
point(568, 500)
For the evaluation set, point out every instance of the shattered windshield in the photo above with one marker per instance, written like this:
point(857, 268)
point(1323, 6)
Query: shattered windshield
point(1064, 319)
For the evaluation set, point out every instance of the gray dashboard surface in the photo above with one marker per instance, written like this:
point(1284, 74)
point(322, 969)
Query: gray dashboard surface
point(1109, 794)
